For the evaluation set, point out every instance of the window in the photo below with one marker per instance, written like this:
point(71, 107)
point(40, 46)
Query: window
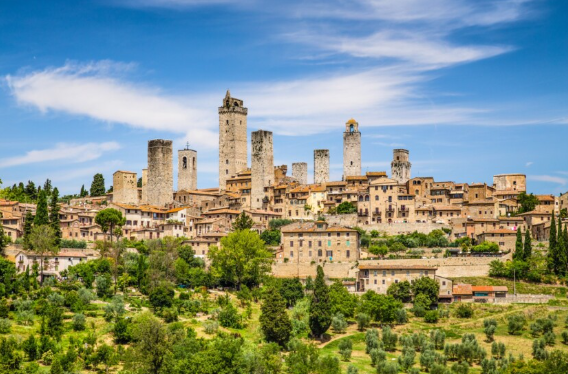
point(347, 243)
point(383, 281)
point(329, 243)
point(291, 254)
point(319, 252)
point(384, 273)
point(347, 253)
point(291, 243)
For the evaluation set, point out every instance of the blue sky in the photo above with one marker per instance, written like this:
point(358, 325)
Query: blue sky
point(472, 88)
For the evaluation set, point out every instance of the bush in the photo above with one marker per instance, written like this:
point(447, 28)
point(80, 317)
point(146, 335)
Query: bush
point(564, 336)
point(431, 316)
point(363, 320)
point(79, 322)
point(338, 323)
point(345, 348)
point(210, 327)
point(464, 311)
point(352, 370)
point(5, 326)
point(229, 317)
point(489, 327)
point(377, 356)
point(389, 339)
point(401, 317)
point(516, 323)
point(372, 340)
point(170, 315)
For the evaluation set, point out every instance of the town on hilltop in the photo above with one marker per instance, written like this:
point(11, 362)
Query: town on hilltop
point(335, 224)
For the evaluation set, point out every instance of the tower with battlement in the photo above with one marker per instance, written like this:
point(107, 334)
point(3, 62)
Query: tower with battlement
point(187, 169)
point(262, 166)
point(159, 189)
point(124, 187)
point(351, 149)
point(232, 138)
point(321, 166)
point(300, 172)
point(400, 166)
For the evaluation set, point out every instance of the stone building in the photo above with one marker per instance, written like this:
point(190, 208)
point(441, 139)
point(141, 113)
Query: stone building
point(159, 190)
point(321, 166)
point(510, 182)
point(300, 172)
point(144, 197)
point(400, 166)
point(125, 187)
point(304, 242)
point(262, 166)
point(351, 149)
point(187, 169)
point(232, 138)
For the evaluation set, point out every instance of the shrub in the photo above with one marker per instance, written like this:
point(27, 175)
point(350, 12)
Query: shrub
point(210, 327)
point(489, 327)
point(431, 316)
point(401, 317)
point(377, 356)
point(389, 339)
point(363, 320)
point(338, 323)
point(372, 340)
point(170, 314)
point(438, 338)
point(549, 338)
point(229, 317)
point(564, 337)
point(352, 370)
point(345, 348)
point(79, 322)
point(5, 325)
point(464, 311)
point(516, 323)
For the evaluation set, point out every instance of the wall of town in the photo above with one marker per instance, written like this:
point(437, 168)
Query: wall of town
point(523, 299)
point(350, 220)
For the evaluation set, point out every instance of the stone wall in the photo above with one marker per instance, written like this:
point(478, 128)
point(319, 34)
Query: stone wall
point(233, 146)
point(510, 182)
point(187, 169)
point(303, 270)
point(350, 220)
point(400, 166)
point(523, 299)
point(300, 172)
point(351, 153)
point(321, 166)
point(144, 198)
point(159, 191)
point(262, 166)
point(125, 187)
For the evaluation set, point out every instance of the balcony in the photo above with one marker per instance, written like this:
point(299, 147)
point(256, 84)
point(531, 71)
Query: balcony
point(363, 214)
point(389, 209)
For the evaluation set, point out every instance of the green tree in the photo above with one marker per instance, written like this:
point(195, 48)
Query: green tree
point(28, 225)
point(342, 301)
point(527, 202)
point(243, 222)
point(554, 258)
point(3, 240)
point(381, 308)
point(346, 207)
point(400, 291)
point(527, 250)
point(426, 286)
point(274, 320)
point(30, 347)
point(292, 290)
point(162, 296)
point(519, 253)
point(241, 259)
point(42, 215)
point(98, 185)
point(320, 307)
point(54, 216)
point(379, 250)
point(271, 237)
point(42, 240)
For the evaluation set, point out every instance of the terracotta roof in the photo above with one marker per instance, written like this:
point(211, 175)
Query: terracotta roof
point(545, 197)
point(356, 177)
point(338, 183)
point(510, 218)
point(447, 208)
point(301, 227)
point(501, 231)
point(376, 174)
point(221, 211)
point(174, 210)
point(396, 267)
point(266, 212)
point(488, 288)
point(462, 289)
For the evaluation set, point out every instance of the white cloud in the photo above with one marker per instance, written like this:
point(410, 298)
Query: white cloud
point(548, 178)
point(69, 152)
point(529, 163)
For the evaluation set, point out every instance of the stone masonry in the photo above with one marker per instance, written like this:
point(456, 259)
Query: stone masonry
point(321, 166)
point(351, 149)
point(160, 172)
point(262, 166)
point(125, 187)
point(144, 198)
point(300, 172)
point(232, 139)
point(400, 166)
point(187, 169)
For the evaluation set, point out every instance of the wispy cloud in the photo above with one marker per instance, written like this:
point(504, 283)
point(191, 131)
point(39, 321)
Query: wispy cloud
point(528, 164)
point(548, 178)
point(69, 152)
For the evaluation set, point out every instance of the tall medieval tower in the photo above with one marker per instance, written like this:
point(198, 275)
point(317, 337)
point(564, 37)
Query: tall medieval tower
point(300, 172)
point(262, 166)
point(400, 166)
point(159, 190)
point(351, 149)
point(232, 138)
point(187, 169)
point(321, 166)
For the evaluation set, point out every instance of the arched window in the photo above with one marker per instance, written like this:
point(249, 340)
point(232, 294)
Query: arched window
point(376, 197)
point(184, 162)
point(367, 198)
point(361, 198)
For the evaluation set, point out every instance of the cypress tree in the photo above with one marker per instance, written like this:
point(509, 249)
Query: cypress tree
point(552, 248)
point(519, 255)
point(561, 249)
point(28, 224)
point(274, 320)
point(320, 307)
point(528, 246)
point(98, 185)
point(82, 193)
point(54, 216)
point(3, 241)
point(42, 216)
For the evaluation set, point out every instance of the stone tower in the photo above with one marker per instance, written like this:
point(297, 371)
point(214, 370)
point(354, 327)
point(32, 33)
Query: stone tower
point(232, 138)
point(321, 166)
point(262, 166)
point(400, 166)
point(187, 169)
point(125, 187)
point(300, 172)
point(159, 190)
point(144, 199)
point(351, 149)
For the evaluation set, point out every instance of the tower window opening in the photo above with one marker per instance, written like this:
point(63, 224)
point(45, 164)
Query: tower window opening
point(351, 128)
point(194, 162)
point(184, 162)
